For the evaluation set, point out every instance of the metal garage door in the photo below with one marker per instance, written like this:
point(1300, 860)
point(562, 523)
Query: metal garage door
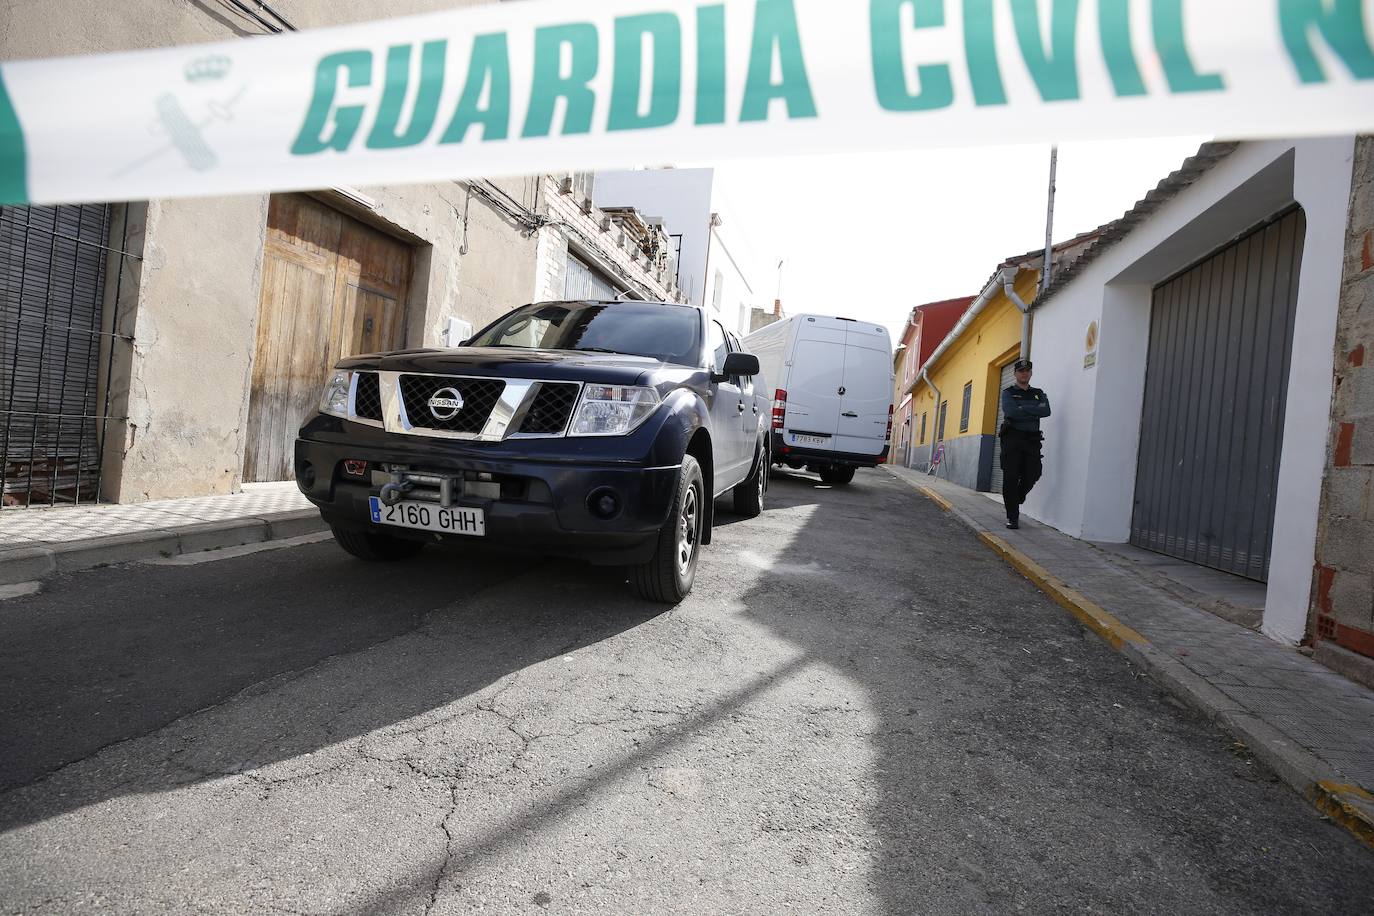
point(1008, 379)
point(1215, 389)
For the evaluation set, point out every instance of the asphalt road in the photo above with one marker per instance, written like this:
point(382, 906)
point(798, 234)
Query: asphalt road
point(859, 710)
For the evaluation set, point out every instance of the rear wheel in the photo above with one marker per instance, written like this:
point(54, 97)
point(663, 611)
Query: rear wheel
point(669, 574)
point(374, 546)
point(749, 494)
point(837, 476)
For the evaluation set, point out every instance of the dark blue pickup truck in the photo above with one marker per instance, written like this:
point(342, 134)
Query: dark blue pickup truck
point(598, 430)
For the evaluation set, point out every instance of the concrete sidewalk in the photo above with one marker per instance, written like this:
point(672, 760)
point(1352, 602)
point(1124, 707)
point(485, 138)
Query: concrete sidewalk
point(38, 542)
point(1313, 727)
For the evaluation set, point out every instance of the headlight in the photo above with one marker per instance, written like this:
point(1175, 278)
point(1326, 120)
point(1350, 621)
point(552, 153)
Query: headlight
point(335, 397)
point(612, 410)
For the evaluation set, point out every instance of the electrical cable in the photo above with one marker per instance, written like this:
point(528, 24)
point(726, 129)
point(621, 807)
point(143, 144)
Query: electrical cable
point(254, 16)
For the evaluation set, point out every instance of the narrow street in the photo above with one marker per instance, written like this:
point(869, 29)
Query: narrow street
point(860, 709)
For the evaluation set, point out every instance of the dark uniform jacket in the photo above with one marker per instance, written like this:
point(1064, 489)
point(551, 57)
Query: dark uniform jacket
point(1024, 409)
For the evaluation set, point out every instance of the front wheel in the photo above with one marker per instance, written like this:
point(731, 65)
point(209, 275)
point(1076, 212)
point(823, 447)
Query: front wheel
point(669, 574)
point(375, 547)
point(837, 477)
point(748, 494)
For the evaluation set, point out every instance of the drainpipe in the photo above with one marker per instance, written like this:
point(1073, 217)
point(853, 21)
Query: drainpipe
point(1008, 287)
point(935, 424)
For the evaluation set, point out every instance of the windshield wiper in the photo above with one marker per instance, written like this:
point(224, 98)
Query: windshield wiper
point(598, 350)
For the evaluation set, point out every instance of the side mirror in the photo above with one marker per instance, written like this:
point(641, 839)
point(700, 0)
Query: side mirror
point(739, 364)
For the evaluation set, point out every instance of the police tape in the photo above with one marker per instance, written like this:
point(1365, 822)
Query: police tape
point(542, 86)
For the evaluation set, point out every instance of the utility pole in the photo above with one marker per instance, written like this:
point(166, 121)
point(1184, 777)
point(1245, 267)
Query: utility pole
point(1046, 269)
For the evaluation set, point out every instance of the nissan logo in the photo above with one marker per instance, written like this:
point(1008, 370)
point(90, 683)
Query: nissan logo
point(446, 403)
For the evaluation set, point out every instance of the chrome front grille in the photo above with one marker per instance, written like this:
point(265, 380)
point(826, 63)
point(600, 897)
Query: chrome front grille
point(549, 411)
point(479, 397)
point(492, 410)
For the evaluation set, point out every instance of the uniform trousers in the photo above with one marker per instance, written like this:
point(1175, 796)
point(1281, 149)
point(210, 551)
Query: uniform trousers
point(1021, 468)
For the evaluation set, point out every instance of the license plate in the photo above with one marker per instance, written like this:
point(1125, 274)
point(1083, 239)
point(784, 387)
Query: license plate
point(430, 517)
point(810, 440)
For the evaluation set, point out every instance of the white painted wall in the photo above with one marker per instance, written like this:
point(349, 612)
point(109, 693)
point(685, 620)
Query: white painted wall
point(1093, 438)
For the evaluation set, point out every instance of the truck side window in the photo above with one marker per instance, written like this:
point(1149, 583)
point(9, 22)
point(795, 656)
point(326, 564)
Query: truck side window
point(745, 383)
point(715, 341)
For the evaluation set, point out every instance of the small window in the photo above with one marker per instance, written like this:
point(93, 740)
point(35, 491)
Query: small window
point(923, 428)
point(940, 422)
point(716, 345)
point(968, 404)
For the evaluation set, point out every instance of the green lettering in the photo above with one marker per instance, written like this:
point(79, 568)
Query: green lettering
point(550, 84)
point(1114, 25)
point(1340, 22)
point(775, 27)
point(14, 183)
point(1173, 51)
point(889, 71)
point(490, 66)
point(386, 133)
point(666, 96)
point(346, 118)
point(1055, 73)
point(980, 47)
point(711, 65)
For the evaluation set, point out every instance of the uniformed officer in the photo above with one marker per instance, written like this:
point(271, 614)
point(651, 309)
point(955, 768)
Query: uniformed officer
point(1023, 407)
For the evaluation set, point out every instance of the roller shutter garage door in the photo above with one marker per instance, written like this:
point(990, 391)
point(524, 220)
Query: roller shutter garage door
point(1008, 379)
point(1215, 388)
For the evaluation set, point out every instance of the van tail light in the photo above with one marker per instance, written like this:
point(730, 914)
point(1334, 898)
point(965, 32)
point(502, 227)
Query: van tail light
point(889, 423)
point(779, 408)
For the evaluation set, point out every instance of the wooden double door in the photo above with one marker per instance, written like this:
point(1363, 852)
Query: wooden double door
point(331, 287)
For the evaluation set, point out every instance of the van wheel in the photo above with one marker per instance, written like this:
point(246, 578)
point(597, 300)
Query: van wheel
point(668, 575)
point(837, 476)
point(374, 547)
point(749, 494)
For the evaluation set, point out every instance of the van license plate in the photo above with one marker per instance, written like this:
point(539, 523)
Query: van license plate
point(430, 517)
point(810, 440)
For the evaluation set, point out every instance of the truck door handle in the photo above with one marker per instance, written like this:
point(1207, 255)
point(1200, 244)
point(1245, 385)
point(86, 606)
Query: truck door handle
point(850, 414)
point(741, 407)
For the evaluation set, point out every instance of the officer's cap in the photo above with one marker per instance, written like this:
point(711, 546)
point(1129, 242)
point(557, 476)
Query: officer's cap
point(1022, 365)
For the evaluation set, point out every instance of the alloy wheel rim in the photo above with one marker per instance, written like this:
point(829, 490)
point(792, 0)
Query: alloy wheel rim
point(687, 531)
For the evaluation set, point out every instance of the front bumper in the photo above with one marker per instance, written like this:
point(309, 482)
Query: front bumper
point(542, 507)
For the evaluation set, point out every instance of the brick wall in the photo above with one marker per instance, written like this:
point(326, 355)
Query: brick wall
point(604, 245)
point(1343, 603)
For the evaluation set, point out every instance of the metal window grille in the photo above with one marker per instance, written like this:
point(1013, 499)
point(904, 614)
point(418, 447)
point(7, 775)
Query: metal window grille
point(940, 422)
point(923, 428)
point(55, 351)
point(968, 403)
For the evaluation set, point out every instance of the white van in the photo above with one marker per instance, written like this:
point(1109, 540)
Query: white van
point(832, 403)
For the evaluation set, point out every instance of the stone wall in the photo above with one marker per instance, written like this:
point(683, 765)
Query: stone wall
point(1341, 622)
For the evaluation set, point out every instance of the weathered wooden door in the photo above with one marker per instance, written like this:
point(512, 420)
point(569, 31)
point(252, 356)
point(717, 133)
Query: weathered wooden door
point(331, 287)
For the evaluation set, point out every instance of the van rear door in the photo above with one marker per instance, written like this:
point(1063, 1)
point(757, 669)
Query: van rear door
point(814, 381)
point(863, 414)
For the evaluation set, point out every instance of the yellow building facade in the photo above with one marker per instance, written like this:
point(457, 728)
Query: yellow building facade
point(967, 377)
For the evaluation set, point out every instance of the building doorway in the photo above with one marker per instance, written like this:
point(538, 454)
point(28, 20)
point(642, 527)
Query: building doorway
point(331, 287)
point(1216, 386)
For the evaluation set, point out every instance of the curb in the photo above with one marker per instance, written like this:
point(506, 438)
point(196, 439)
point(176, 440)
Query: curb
point(25, 564)
point(1348, 805)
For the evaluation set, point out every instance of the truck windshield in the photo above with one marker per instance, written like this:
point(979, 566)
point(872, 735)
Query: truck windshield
point(669, 333)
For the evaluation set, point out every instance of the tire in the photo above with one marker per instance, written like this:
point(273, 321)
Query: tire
point(749, 493)
point(667, 577)
point(837, 477)
point(375, 547)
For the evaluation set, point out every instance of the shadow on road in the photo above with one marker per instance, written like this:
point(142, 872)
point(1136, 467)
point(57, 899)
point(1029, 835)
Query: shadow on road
point(108, 656)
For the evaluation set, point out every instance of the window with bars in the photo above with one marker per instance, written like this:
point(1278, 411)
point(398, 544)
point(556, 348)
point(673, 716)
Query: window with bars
point(968, 404)
point(52, 291)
